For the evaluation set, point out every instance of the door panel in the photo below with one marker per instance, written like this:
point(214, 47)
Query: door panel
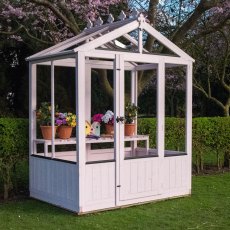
point(139, 178)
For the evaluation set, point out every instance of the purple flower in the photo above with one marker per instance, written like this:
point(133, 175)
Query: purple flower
point(64, 121)
point(58, 122)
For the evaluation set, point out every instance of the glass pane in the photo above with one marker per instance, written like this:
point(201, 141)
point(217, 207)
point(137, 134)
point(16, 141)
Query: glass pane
point(100, 138)
point(175, 99)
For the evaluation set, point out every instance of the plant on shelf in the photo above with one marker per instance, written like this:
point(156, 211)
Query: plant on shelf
point(108, 119)
point(44, 119)
point(130, 115)
point(97, 117)
point(65, 122)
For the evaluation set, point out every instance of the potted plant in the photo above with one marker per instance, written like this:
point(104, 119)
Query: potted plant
point(130, 115)
point(65, 122)
point(44, 119)
point(108, 119)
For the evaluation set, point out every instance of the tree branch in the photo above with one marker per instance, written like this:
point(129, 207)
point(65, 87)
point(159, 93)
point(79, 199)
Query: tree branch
point(191, 21)
point(225, 63)
point(22, 27)
point(152, 14)
point(35, 38)
point(197, 86)
point(69, 15)
point(103, 79)
point(57, 13)
point(12, 32)
point(206, 32)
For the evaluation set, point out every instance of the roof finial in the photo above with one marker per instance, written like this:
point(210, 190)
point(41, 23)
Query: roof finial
point(99, 22)
point(141, 18)
point(110, 18)
point(122, 16)
point(89, 23)
point(135, 13)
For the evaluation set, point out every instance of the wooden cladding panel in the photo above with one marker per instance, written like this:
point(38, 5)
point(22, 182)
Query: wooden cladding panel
point(175, 173)
point(54, 182)
point(139, 178)
point(100, 186)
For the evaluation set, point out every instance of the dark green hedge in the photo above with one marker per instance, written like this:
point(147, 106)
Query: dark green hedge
point(210, 142)
point(211, 138)
point(13, 148)
point(14, 135)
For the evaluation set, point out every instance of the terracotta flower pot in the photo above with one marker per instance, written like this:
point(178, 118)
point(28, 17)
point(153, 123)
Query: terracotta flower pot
point(109, 129)
point(47, 132)
point(130, 129)
point(64, 132)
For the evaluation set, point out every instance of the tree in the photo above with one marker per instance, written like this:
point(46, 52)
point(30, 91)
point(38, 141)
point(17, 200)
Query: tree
point(49, 21)
point(188, 22)
point(212, 73)
point(54, 21)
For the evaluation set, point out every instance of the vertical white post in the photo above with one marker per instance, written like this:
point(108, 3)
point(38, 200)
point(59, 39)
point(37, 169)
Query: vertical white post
point(161, 108)
point(134, 99)
point(52, 109)
point(88, 92)
point(32, 114)
point(88, 99)
point(32, 106)
point(134, 79)
point(189, 119)
point(119, 127)
point(80, 129)
point(140, 41)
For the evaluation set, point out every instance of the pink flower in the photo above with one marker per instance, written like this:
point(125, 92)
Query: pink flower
point(97, 117)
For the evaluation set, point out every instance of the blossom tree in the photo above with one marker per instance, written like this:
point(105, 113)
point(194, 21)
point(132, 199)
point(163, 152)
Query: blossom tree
point(49, 21)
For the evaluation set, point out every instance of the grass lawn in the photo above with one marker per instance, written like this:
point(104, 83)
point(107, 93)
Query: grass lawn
point(207, 208)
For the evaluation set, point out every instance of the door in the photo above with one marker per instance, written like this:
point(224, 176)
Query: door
point(137, 173)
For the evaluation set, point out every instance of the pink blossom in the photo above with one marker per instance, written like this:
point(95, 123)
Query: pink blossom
point(98, 117)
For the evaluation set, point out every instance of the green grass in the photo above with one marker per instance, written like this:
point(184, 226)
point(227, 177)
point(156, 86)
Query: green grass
point(207, 208)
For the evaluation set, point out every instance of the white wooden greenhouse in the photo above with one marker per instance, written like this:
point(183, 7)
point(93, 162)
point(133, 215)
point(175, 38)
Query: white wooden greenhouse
point(90, 179)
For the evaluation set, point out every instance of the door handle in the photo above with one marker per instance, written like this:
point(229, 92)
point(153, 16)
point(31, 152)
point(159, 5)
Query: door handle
point(120, 119)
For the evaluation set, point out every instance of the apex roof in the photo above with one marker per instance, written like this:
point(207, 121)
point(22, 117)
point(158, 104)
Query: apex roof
point(121, 35)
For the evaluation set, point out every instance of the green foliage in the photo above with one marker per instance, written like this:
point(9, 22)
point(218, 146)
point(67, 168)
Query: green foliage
point(210, 135)
point(13, 148)
point(44, 113)
point(148, 126)
point(210, 138)
point(130, 112)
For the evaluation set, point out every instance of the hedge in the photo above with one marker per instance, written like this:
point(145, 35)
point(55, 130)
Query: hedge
point(13, 148)
point(210, 138)
point(210, 142)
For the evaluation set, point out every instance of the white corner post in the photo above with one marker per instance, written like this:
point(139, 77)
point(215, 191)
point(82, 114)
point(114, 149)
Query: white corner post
point(119, 85)
point(52, 110)
point(161, 108)
point(140, 41)
point(80, 128)
point(188, 133)
point(32, 106)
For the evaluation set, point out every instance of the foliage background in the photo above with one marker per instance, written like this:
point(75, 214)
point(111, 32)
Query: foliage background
point(210, 145)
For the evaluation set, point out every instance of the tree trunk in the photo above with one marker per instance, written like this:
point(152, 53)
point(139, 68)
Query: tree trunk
point(226, 111)
point(6, 191)
point(7, 182)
